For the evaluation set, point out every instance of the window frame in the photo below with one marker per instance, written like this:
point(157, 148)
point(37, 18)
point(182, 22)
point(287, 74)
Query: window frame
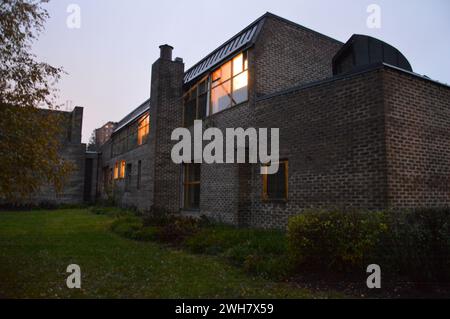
point(122, 169)
point(230, 80)
point(210, 86)
point(265, 179)
point(138, 179)
point(116, 171)
point(141, 140)
point(196, 88)
point(187, 184)
point(120, 143)
point(128, 176)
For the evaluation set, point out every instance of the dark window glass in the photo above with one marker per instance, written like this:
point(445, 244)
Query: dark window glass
point(275, 185)
point(128, 177)
point(190, 112)
point(192, 186)
point(202, 106)
point(139, 175)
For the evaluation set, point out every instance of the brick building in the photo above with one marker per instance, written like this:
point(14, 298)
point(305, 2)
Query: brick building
point(104, 133)
point(80, 186)
point(357, 129)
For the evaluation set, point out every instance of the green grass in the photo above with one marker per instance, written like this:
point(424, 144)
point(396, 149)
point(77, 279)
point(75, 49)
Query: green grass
point(36, 248)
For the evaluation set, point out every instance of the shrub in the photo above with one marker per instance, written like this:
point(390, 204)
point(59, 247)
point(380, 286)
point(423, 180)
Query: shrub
point(217, 239)
point(177, 229)
point(418, 244)
point(335, 240)
point(259, 252)
point(413, 245)
point(148, 233)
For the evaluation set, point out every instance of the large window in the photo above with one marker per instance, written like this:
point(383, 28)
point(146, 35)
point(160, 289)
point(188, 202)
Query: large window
point(130, 137)
point(275, 186)
point(191, 185)
point(225, 87)
point(143, 129)
point(229, 84)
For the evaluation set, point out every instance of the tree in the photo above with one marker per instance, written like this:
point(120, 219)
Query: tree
point(30, 138)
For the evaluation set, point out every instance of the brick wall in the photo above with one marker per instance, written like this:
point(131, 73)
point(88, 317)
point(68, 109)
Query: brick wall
point(333, 136)
point(418, 141)
point(287, 55)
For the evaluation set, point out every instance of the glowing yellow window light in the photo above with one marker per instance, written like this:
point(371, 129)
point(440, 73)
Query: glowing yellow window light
point(143, 129)
point(122, 169)
point(116, 171)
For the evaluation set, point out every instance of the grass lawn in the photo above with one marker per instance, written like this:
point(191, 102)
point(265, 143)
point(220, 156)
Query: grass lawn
point(36, 248)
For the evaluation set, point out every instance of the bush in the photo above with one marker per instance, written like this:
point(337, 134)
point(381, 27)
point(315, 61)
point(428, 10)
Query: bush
point(148, 233)
point(335, 240)
point(418, 244)
point(177, 230)
point(259, 252)
point(215, 240)
point(413, 245)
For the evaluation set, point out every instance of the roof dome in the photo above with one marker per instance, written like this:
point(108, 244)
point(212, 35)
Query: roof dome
point(362, 50)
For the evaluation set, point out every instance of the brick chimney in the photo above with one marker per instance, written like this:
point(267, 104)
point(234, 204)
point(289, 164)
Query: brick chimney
point(166, 115)
point(166, 52)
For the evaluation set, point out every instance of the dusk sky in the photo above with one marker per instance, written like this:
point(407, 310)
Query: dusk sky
point(108, 59)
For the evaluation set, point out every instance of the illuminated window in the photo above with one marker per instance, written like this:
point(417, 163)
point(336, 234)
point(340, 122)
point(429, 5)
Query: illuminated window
point(116, 171)
point(122, 169)
point(275, 186)
point(229, 84)
point(191, 185)
point(225, 87)
point(143, 129)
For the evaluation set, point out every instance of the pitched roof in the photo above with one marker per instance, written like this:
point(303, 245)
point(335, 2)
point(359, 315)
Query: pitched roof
point(133, 116)
point(241, 41)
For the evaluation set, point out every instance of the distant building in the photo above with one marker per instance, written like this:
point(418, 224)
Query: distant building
point(103, 134)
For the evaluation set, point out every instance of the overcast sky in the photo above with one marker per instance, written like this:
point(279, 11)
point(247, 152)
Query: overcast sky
point(108, 59)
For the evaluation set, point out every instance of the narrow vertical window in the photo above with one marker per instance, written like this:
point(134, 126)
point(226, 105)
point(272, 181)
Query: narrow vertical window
point(275, 186)
point(139, 175)
point(128, 177)
point(116, 171)
point(192, 186)
point(122, 169)
point(143, 129)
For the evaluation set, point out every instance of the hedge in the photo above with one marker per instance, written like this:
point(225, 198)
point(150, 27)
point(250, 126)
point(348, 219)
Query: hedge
point(411, 244)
